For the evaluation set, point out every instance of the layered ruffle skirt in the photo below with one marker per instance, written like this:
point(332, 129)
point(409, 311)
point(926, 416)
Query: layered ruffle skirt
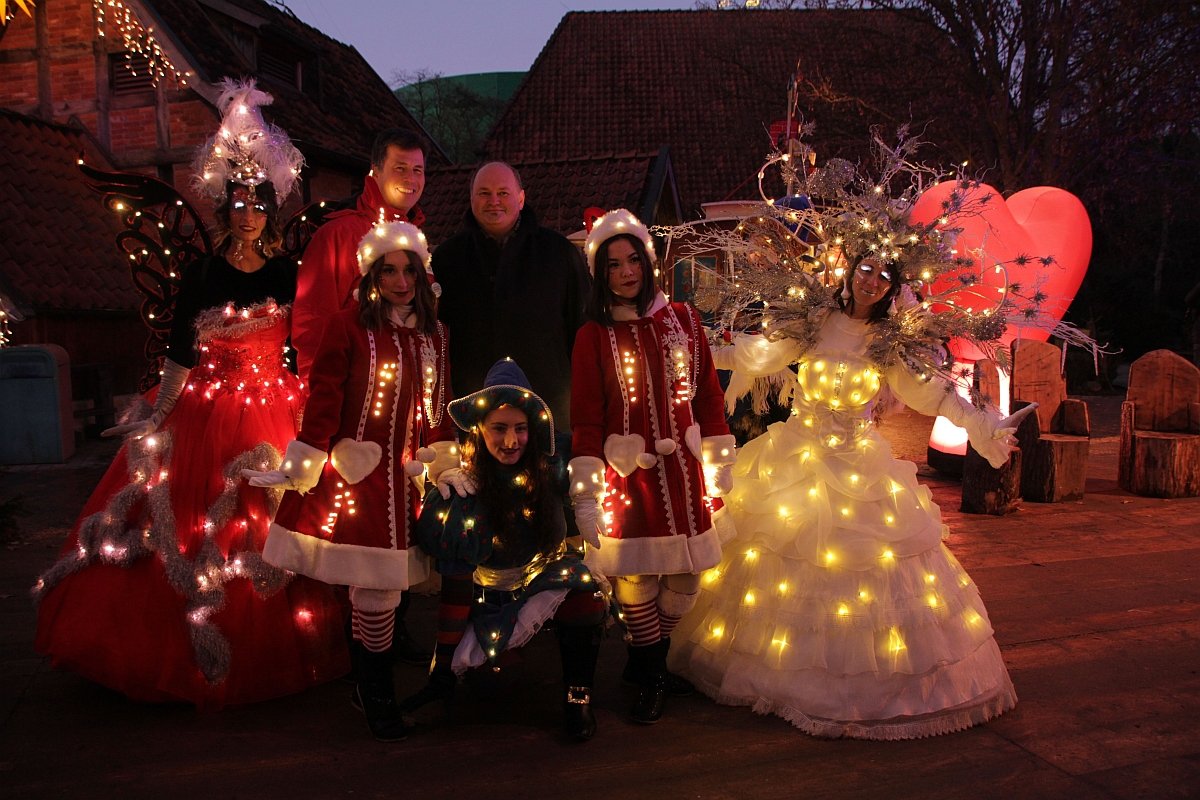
point(838, 607)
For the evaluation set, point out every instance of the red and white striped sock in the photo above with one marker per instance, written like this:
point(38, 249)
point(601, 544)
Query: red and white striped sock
point(667, 623)
point(642, 621)
point(373, 628)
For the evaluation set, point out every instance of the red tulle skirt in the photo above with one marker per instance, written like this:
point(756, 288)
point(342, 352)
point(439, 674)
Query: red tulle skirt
point(160, 592)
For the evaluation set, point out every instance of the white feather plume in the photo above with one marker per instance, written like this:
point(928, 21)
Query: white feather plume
point(246, 149)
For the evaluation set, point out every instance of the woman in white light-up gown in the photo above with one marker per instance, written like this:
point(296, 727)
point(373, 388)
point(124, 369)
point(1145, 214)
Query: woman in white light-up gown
point(838, 607)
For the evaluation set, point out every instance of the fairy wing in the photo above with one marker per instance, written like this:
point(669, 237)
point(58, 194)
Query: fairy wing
point(162, 234)
point(299, 230)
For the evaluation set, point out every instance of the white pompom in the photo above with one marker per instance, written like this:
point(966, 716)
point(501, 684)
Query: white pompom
point(664, 447)
point(646, 461)
point(426, 455)
point(413, 468)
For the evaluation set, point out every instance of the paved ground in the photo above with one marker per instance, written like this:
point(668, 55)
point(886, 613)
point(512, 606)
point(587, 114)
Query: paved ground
point(1096, 607)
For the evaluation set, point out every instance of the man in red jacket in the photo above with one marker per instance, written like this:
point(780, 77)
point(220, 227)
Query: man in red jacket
point(328, 274)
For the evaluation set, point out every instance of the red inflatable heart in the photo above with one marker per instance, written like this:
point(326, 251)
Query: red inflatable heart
point(1037, 224)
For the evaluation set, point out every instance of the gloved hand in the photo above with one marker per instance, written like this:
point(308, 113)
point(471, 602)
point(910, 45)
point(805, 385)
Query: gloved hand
point(587, 492)
point(589, 518)
point(991, 436)
point(174, 378)
point(458, 480)
point(718, 455)
point(445, 455)
point(300, 470)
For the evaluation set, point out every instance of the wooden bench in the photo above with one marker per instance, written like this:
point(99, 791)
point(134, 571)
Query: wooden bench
point(1160, 428)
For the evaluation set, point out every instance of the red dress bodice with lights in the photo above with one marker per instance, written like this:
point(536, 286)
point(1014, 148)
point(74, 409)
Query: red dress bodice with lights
point(389, 387)
point(636, 384)
point(161, 591)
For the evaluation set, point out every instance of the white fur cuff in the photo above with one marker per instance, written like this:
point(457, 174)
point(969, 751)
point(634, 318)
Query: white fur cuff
point(302, 464)
point(587, 476)
point(718, 450)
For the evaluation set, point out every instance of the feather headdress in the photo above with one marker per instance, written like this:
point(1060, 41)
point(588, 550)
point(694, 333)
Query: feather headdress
point(246, 149)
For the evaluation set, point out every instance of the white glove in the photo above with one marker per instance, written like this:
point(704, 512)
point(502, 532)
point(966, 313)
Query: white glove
point(456, 479)
point(440, 456)
point(991, 436)
point(718, 455)
point(170, 387)
point(589, 518)
point(300, 470)
point(587, 489)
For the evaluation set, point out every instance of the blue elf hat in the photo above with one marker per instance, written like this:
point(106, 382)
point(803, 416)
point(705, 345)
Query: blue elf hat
point(506, 385)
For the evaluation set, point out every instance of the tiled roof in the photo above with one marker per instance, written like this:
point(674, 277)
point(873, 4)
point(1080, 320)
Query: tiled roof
point(352, 106)
point(559, 191)
point(710, 83)
point(57, 243)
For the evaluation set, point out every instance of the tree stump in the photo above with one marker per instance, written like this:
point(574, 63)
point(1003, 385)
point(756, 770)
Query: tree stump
point(1056, 469)
point(1054, 450)
point(1166, 464)
point(1160, 428)
point(990, 491)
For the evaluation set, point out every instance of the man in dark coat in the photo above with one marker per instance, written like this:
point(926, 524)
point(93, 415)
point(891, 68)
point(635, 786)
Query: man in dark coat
point(510, 288)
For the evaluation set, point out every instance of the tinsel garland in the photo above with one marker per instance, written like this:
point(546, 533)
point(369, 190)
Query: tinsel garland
point(111, 538)
point(789, 264)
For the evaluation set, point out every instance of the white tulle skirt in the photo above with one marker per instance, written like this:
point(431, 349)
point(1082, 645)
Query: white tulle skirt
point(838, 607)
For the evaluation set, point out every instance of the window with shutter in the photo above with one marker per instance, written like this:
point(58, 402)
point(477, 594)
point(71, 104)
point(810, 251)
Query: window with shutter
point(129, 73)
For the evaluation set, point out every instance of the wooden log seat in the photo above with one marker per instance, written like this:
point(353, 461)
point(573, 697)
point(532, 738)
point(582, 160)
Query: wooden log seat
point(1160, 428)
point(1054, 453)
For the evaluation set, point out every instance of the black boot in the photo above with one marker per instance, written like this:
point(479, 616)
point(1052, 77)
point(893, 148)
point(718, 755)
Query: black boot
point(404, 647)
point(442, 681)
point(579, 647)
point(351, 677)
point(677, 685)
point(376, 695)
point(650, 661)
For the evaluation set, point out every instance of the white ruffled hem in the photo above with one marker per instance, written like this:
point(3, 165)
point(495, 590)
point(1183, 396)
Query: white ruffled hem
point(537, 609)
point(949, 698)
point(936, 724)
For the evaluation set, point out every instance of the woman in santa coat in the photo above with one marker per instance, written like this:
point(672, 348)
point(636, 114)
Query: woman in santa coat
point(374, 419)
point(651, 450)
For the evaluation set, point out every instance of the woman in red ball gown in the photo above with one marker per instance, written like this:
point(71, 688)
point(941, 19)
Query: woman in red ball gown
point(161, 592)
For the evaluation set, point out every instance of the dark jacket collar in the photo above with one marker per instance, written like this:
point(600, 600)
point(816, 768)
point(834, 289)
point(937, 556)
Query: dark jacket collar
point(528, 221)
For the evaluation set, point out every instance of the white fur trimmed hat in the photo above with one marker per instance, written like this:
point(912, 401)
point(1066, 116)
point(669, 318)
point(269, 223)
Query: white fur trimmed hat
point(388, 237)
point(613, 224)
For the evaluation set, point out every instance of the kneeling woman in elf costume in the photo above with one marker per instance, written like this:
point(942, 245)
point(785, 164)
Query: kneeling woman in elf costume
point(649, 428)
point(499, 543)
point(379, 385)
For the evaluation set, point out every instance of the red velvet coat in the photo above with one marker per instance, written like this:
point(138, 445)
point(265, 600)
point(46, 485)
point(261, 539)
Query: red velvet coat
point(636, 378)
point(328, 273)
point(361, 534)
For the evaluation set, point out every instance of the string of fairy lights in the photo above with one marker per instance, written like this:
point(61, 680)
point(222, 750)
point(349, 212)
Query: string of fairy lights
point(137, 40)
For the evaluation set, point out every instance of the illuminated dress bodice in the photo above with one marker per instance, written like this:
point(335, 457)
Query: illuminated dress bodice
point(838, 606)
